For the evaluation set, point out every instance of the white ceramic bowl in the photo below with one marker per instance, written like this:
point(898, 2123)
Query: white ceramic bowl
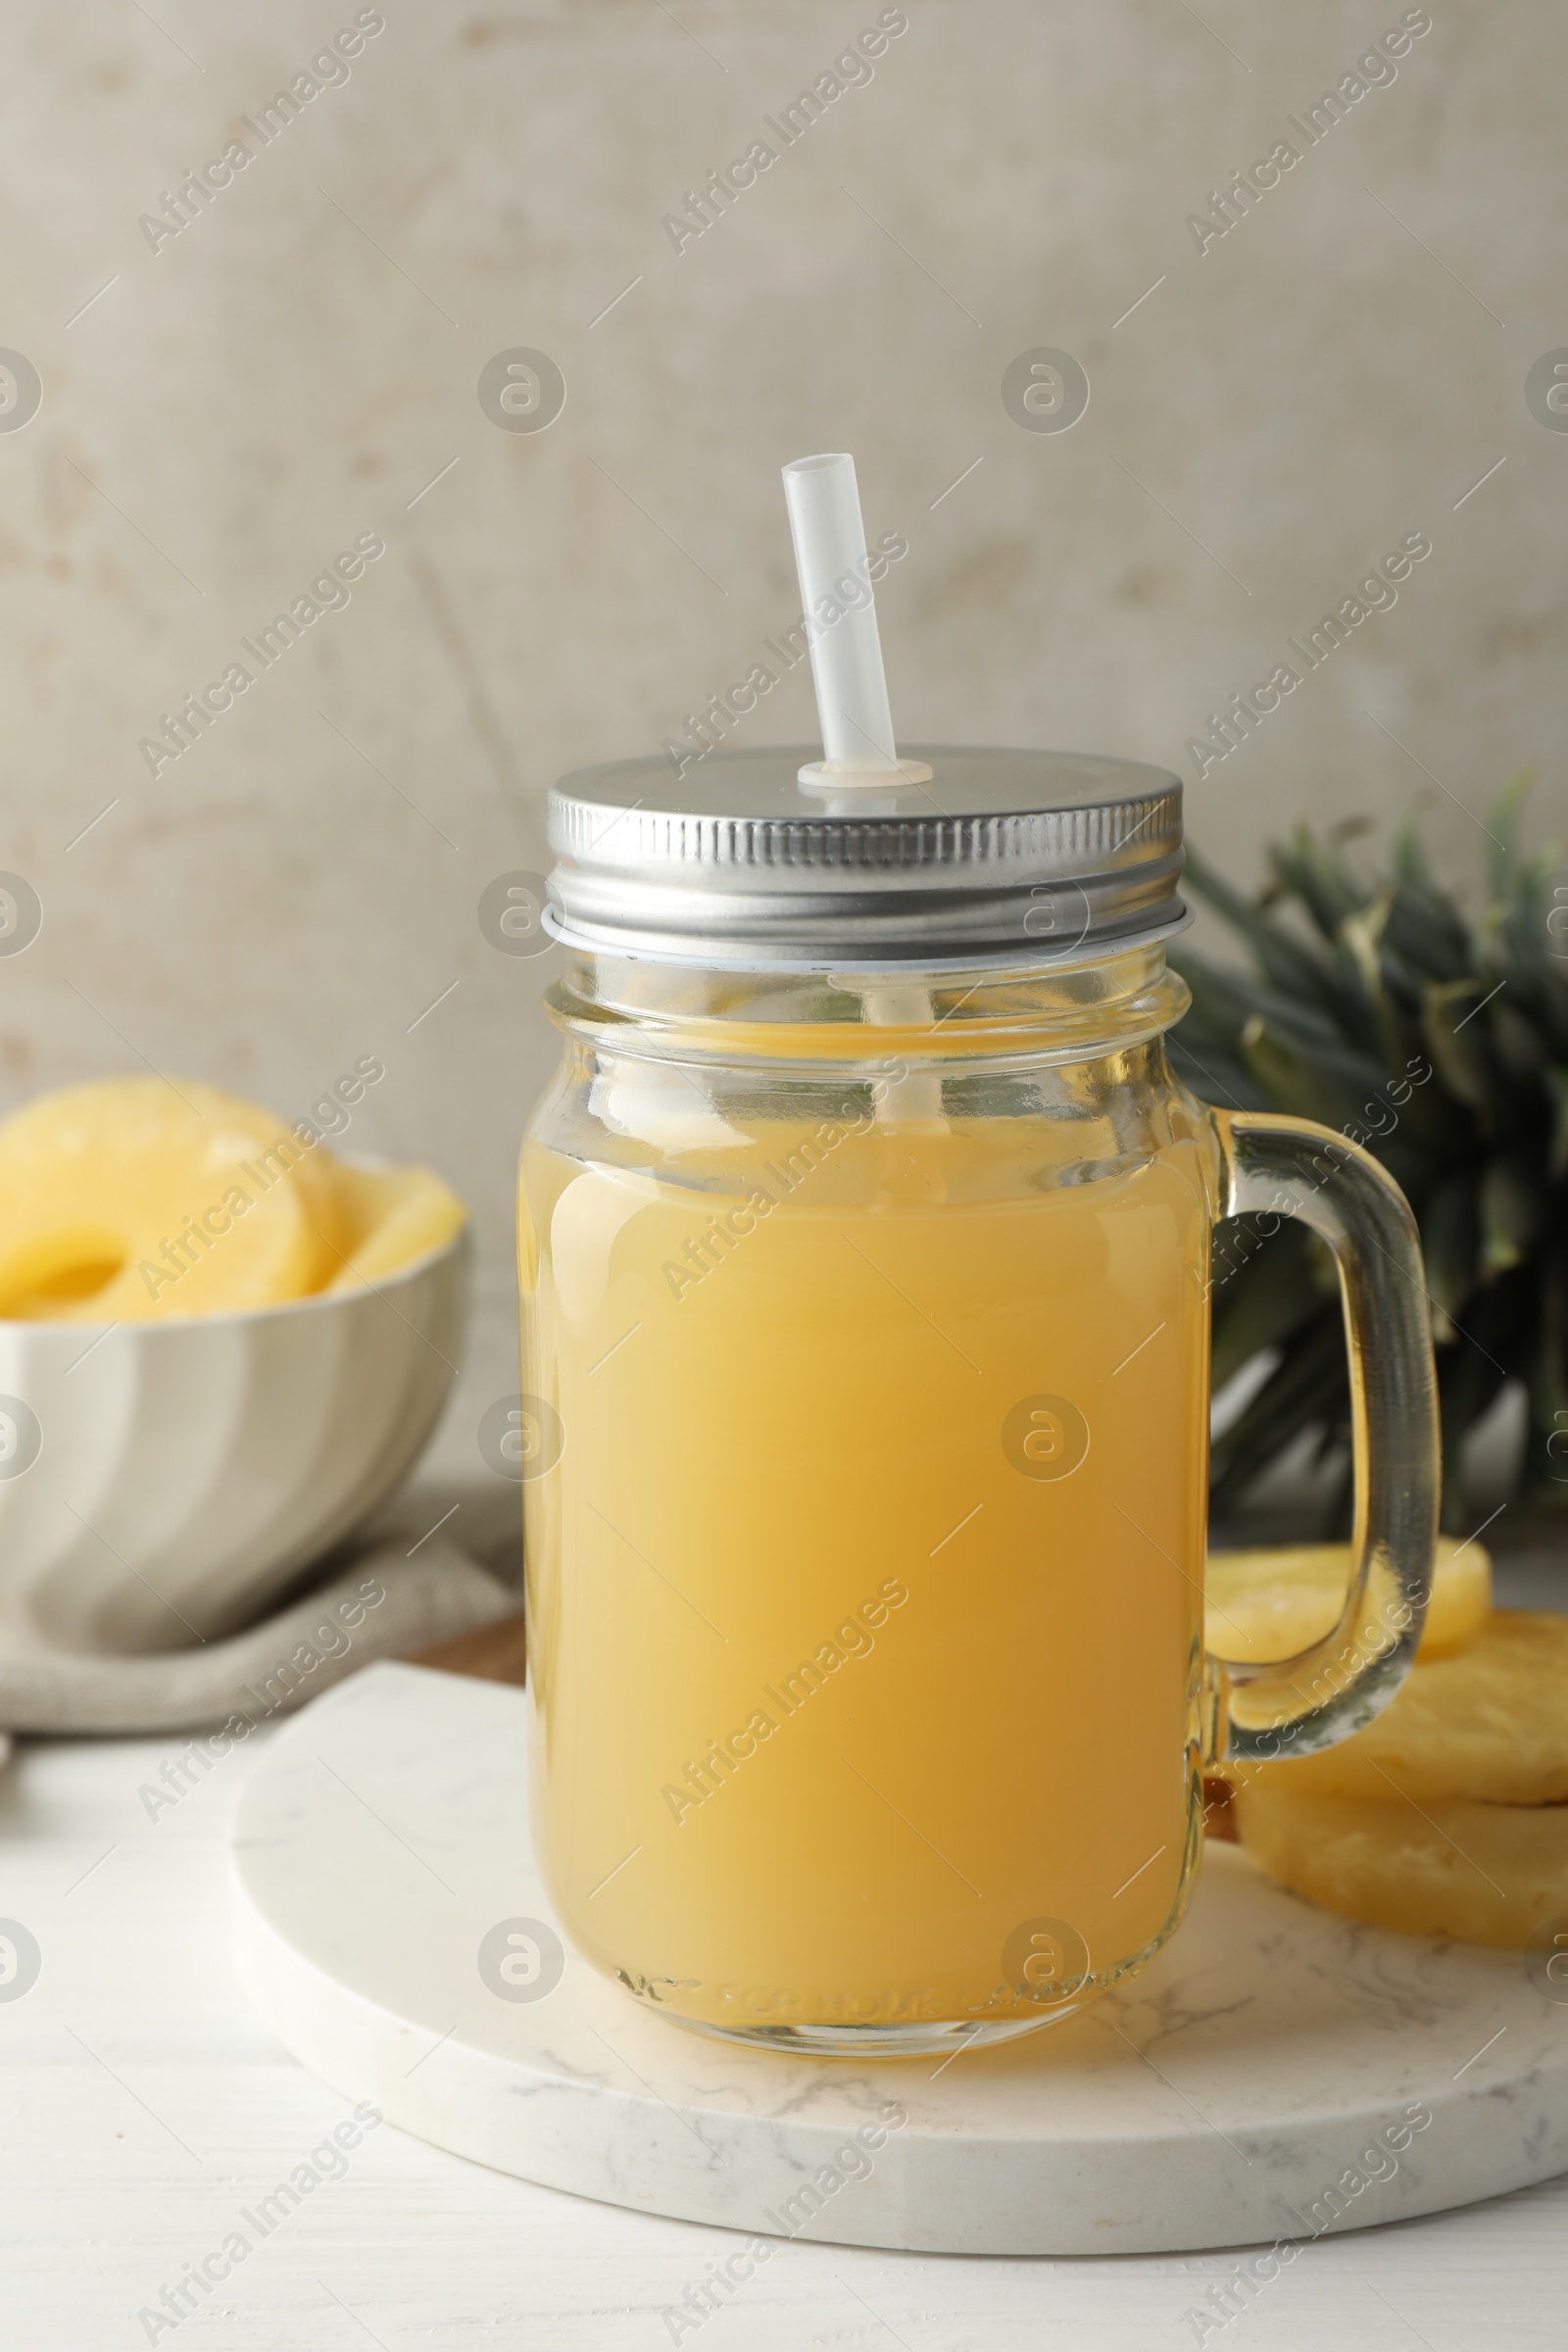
point(163, 1482)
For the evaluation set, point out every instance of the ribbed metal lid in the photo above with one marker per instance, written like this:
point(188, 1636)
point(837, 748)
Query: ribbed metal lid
point(1005, 856)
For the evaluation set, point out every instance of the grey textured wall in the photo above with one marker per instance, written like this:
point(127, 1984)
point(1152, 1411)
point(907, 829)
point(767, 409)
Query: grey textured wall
point(242, 399)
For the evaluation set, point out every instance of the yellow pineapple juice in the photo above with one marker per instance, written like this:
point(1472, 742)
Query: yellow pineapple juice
point(866, 1591)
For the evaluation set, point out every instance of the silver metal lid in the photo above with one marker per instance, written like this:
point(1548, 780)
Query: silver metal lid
point(1005, 856)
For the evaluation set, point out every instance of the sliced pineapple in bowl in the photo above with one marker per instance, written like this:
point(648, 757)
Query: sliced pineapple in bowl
point(132, 1199)
point(277, 1334)
point(394, 1215)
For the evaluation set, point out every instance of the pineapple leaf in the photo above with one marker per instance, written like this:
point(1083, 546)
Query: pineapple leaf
point(1309, 1387)
point(1226, 1001)
point(1515, 1206)
point(1323, 886)
point(1451, 1237)
point(1264, 1288)
point(1361, 935)
point(1299, 971)
point(1214, 1076)
point(1504, 859)
point(1426, 932)
point(1411, 866)
point(1326, 1083)
point(1441, 1044)
point(1469, 1071)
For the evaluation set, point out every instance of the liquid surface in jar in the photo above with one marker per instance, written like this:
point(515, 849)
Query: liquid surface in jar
point(865, 1591)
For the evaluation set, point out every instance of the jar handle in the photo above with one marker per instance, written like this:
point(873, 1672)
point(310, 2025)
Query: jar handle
point(1290, 1707)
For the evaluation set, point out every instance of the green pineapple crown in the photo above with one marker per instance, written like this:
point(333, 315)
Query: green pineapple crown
point(1442, 1045)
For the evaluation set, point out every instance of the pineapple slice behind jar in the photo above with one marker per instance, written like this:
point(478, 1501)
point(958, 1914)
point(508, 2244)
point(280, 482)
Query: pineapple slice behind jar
point(1454, 1866)
point(129, 1200)
point(1448, 1814)
point(1273, 1605)
point(1489, 1724)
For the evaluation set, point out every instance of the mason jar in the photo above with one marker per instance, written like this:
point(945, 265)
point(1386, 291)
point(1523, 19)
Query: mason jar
point(864, 1238)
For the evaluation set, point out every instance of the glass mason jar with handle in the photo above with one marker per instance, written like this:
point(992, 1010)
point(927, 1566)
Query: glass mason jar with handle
point(865, 1251)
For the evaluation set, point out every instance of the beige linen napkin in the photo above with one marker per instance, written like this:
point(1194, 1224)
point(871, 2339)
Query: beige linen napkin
point(382, 1605)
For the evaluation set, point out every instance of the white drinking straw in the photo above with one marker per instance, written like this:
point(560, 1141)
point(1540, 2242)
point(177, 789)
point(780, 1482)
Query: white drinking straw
point(852, 702)
point(852, 689)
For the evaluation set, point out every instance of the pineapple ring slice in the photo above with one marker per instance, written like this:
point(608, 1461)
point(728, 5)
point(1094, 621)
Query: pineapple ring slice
point(1490, 1724)
point(128, 1200)
point(1273, 1605)
point(393, 1216)
point(1480, 1873)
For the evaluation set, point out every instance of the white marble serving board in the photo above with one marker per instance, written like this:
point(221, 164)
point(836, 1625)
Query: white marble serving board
point(1245, 2088)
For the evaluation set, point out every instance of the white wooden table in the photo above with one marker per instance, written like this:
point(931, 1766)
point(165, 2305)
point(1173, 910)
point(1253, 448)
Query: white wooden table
point(143, 2109)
